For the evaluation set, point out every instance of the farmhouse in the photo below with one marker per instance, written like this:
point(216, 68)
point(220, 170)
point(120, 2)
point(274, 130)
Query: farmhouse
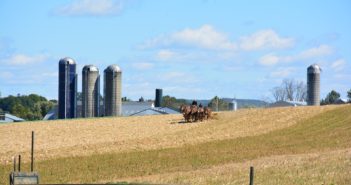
point(8, 118)
point(131, 108)
point(287, 104)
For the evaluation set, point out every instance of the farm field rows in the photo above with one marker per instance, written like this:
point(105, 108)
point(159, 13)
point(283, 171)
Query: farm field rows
point(296, 145)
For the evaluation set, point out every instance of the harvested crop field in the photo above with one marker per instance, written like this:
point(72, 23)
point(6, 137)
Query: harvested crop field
point(219, 151)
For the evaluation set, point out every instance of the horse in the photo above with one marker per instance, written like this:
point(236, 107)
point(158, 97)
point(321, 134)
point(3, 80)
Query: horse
point(186, 111)
point(200, 113)
point(193, 112)
point(207, 113)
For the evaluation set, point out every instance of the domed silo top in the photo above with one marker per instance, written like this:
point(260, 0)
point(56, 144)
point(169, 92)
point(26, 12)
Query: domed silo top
point(90, 68)
point(113, 68)
point(314, 68)
point(67, 60)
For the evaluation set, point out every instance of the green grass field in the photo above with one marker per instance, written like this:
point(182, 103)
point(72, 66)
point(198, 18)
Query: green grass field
point(316, 150)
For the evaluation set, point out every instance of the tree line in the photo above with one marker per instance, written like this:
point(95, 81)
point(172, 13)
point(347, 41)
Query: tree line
point(293, 90)
point(28, 107)
point(216, 103)
point(290, 90)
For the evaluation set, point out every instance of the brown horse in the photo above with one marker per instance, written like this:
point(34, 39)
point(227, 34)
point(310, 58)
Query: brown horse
point(193, 113)
point(207, 113)
point(186, 111)
point(200, 114)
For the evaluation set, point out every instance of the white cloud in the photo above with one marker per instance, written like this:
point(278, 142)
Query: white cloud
point(338, 65)
point(322, 50)
point(142, 65)
point(21, 59)
point(205, 37)
point(91, 8)
point(312, 53)
point(269, 59)
point(165, 54)
point(282, 72)
point(265, 39)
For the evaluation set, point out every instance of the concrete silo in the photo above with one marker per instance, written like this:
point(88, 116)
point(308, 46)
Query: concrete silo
point(313, 85)
point(90, 91)
point(158, 98)
point(113, 91)
point(67, 90)
point(233, 105)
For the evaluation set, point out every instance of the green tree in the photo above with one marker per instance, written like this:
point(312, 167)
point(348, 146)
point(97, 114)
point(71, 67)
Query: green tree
point(172, 102)
point(31, 107)
point(19, 110)
point(349, 95)
point(218, 104)
point(331, 97)
point(45, 107)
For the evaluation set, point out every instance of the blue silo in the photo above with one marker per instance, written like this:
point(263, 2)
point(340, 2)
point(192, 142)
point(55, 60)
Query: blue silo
point(67, 99)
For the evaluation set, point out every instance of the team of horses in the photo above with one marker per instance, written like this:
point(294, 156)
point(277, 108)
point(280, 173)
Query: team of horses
point(194, 113)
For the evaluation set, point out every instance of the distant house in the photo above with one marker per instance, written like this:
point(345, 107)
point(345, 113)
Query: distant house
point(340, 101)
point(155, 111)
point(287, 104)
point(131, 108)
point(8, 118)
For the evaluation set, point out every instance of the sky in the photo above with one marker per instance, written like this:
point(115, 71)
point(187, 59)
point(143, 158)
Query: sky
point(194, 49)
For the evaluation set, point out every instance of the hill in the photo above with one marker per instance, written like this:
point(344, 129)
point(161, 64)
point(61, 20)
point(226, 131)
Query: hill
point(242, 103)
point(295, 145)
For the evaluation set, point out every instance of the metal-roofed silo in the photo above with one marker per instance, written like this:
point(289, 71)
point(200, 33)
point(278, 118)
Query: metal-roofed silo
point(67, 90)
point(113, 91)
point(233, 105)
point(313, 85)
point(90, 91)
point(158, 98)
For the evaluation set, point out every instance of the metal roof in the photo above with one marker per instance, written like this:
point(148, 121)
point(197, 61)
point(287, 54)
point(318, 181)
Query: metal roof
point(67, 60)
point(314, 68)
point(11, 118)
point(113, 68)
point(155, 111)
point(90, 68)
point(128, 109)
point(287, 104)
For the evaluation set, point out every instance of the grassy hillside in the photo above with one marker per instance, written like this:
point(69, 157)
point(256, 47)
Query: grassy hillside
point(304, 145)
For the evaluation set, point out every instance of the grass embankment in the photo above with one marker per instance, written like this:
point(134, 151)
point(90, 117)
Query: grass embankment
point(322, 143)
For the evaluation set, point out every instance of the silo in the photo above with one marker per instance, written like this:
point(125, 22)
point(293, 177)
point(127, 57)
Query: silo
point(233, 105)
point(90, 91)
point(158, 98)
point(313, 85)
point(67, 90)
point(113, 91)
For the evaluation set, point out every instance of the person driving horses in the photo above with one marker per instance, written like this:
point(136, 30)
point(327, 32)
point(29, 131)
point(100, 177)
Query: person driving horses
point(194, 103)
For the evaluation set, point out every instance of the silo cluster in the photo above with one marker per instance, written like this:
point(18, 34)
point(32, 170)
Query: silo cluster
point(113, 91)
point(67, 99)
point(90, 91)
point(313, 85)
point(67, 102)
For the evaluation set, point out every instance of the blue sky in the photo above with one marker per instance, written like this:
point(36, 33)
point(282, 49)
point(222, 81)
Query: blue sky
point(191, 49)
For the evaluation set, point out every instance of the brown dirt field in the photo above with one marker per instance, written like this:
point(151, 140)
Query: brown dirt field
point(78, 137)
